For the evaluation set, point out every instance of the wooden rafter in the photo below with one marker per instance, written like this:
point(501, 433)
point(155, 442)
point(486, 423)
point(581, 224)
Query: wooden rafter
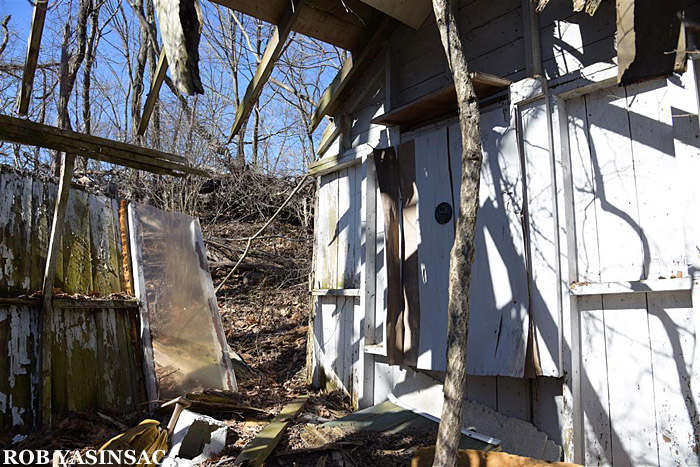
point(30, 63)
point(352, 68)
point(161, 69)
point(267, 63)
point(17, 130)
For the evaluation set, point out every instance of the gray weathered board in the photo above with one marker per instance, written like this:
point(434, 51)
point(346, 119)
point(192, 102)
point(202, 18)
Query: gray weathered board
point(499, 298)
point(630, 148)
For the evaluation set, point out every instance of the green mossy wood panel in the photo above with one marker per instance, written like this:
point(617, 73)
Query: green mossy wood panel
point(74, 271)
point(95, 364)
point(90, 255)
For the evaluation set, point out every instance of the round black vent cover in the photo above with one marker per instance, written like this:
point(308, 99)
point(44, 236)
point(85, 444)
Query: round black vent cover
point(443, 213)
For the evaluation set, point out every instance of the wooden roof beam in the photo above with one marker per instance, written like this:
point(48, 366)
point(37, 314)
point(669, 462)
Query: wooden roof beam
point(25, 91)
point(21, 131)
point(159, 77)
point(351, 69)
point(267, 63)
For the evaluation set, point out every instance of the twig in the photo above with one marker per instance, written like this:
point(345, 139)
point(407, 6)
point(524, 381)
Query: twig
point(262, 229)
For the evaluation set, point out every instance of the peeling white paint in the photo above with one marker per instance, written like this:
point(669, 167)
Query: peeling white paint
point(17, 419)
point(20, 330)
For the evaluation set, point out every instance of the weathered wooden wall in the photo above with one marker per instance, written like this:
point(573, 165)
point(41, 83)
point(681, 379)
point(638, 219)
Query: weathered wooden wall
point(95, 353)
point(90, 254)
point(628, 212)
point(634, 154)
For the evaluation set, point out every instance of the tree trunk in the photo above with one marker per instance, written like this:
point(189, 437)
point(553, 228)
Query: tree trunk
point(462, 255)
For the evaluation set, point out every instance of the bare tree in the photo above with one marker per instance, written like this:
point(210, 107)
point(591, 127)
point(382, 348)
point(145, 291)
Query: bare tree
point(462, 255)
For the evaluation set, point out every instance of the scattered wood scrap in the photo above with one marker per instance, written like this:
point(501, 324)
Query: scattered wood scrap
point(262, 446)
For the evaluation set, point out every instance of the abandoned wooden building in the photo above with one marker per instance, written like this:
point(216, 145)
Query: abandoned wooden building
point(585, 295)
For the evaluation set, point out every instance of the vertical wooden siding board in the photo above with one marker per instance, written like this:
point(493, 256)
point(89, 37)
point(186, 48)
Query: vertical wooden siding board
point(11, 241)
point(76, 254)
point(366, 317)
point(80, 345)
point(380, 269)
point(630, 380)
point(328, 245)
point(5, 389)
point(434, 245)
point(59, 361)
point(107, 374)
point(27, 219)
point(357, 363)
point(619, 237)
point(345, 239)
point(387, 181)
point(594, 388)
point(348, 351)
point(544, 282)
point(328, 332)
point(39, 242)
point(655, 168)
point(359, 224)
point(498, 320)
point(672, 334)
point(19, 395)
point(585, 215)
point(410, 269)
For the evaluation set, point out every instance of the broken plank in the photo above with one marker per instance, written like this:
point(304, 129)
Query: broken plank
point(161, 69)
point(22, 131)
point(328, 165)
point(262, 446)
point(267, 63)
point(45, 320)
point(25, 90)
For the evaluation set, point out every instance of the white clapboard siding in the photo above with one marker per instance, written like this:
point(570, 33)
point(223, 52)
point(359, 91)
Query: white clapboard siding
point(434, 244)
point(541, 209)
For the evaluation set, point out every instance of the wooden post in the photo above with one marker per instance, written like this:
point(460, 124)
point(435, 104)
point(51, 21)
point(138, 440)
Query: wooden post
point(161, 69)
point(45, 338)
point(25, 91)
